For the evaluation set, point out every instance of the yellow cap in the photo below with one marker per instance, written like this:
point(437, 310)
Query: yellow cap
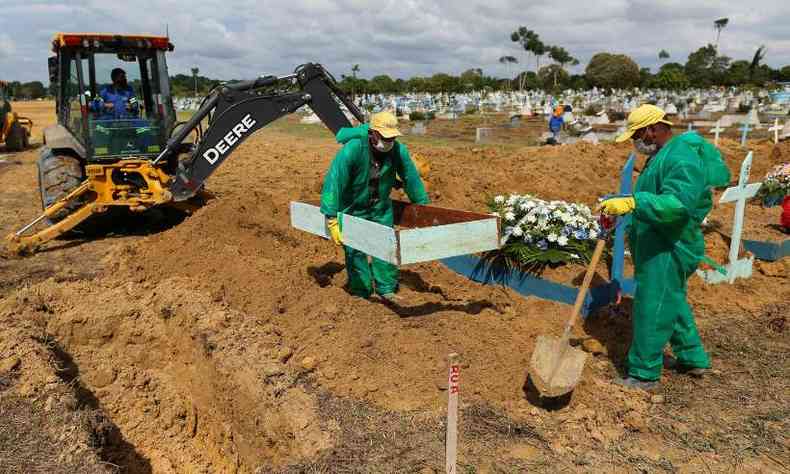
point(641, 117)
point(386, 124)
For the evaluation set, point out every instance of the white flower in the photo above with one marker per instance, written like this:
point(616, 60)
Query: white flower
point(563, 241)
point(531, 218)
point(552, 237)
point(499, 199)
point(512, 199)
point(518, 231)
point(509, 216)
point(593, 235)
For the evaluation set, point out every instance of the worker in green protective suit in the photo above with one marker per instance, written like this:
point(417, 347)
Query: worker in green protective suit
point(358, 183)
point(671, 198)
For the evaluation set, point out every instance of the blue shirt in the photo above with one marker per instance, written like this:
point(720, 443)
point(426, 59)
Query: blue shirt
point(119, 99)
point(555, 124)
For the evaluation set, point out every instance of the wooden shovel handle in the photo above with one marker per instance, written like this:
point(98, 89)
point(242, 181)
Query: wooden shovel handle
point(599, 246)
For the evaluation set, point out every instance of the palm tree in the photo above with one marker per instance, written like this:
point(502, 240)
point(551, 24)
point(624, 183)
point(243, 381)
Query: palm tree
point(756, 60)
point(663, 54)
point(528, 40)
point(537, 47)
point(560, 56)
point(354, 71)
point(508, 60)
point(719, 25)
point(195, 72)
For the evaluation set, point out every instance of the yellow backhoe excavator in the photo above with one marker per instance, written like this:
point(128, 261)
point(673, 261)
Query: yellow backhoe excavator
point(14, 130)
point(120, 144)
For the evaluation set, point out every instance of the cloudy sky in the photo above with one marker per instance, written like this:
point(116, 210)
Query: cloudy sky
point(245, 38)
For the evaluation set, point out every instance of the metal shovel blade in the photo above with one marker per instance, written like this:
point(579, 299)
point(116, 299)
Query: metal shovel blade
point(556, 367)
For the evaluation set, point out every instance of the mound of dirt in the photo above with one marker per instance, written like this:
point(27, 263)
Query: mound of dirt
point(228, 342)
point(45, 423)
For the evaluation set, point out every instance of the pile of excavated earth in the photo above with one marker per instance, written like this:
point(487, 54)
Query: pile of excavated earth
point(225, 341)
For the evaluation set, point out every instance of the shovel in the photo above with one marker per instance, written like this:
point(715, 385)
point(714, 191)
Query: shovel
point(556, 367)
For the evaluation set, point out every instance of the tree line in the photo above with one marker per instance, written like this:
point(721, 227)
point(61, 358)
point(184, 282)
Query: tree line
point(180, 85)
point(27, 90)
point(703, 68)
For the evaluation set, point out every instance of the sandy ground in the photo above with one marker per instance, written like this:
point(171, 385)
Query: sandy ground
point(225, 341)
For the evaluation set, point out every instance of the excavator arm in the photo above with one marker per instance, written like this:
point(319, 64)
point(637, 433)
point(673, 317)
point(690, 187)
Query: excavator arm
point(236, 111)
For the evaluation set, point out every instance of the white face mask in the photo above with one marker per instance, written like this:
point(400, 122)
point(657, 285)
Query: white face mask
point(384, 146)
point(644, 148)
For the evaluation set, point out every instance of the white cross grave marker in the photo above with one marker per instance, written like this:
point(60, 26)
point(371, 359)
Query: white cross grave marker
point(776, 128)
point(717, 130)
point(736, 268)
point(745, 129)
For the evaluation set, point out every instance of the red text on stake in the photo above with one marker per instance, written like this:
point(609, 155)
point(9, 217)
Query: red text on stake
point(455, 374)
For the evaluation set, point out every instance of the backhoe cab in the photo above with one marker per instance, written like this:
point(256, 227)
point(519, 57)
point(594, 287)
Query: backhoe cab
point(100, 120)
point(117, 142)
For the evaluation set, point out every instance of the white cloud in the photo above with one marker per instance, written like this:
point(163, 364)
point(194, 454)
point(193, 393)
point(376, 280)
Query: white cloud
point(245, 38)
point(7, 47)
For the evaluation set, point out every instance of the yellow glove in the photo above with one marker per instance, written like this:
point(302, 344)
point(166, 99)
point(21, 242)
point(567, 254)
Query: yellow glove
point(618, 206)
point(334, 231)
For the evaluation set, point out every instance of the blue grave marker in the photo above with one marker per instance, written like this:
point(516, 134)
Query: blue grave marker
point(627, 285)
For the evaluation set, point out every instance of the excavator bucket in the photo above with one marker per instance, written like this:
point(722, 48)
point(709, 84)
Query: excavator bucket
point(97, 193)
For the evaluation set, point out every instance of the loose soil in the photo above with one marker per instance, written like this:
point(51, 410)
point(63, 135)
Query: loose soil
point(225, 341)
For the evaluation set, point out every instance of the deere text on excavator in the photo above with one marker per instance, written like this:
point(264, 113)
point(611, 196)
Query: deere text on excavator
point(121, 144)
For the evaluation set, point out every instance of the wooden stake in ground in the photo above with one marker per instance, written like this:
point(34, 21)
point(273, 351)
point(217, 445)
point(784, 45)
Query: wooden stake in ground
point(453, 387)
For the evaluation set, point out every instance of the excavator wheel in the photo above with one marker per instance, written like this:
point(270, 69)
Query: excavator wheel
point(17, 138)
point(58, 175)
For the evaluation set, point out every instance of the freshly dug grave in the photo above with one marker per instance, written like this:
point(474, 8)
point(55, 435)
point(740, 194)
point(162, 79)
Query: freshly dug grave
point(227, 342)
